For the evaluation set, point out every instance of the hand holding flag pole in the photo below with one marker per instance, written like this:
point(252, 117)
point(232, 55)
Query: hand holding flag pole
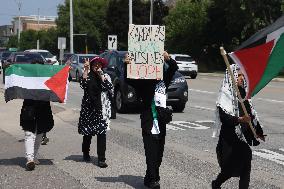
point(224, 54)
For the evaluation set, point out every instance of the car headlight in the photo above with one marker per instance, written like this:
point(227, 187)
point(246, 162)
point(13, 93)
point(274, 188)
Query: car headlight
point(179, 80)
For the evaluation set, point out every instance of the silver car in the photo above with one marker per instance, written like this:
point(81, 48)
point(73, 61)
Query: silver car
point(76, 62)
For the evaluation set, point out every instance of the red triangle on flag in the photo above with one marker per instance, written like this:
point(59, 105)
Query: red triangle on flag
point(253, 62)
point(58, 83)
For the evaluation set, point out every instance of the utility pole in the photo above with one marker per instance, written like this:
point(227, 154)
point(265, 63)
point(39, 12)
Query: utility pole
point(37, 41)
point(71, 27)
point(19, 3)
point(130, 12)
point(151, 12)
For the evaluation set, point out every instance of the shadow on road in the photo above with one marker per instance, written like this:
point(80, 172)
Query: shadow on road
point(133, 181)
point(79, 158)
point(21, 161)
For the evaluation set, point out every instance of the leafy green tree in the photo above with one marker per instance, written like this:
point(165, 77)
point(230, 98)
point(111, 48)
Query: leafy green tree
point(118, 17)
point(90, 18)
point(184, 27)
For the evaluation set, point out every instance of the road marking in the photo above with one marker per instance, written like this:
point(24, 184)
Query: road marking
point(205, 121)
point(270, 155)
point(200, 91)
point(204, 108)
point(171, 127)
point(189, 125)
point(270, 100)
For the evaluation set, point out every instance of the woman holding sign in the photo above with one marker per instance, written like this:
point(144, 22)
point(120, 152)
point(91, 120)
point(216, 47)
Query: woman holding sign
point(154, 117)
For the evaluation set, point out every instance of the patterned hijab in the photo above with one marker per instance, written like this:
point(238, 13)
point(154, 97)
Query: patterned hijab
point(228, 100)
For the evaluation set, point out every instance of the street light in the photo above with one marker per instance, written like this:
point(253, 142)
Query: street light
point(71, 27)
point(19, 3)
point(86, 44)
point(151, 12)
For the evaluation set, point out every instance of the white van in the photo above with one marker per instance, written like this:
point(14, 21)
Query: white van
point(50, 58)
point(186, 64)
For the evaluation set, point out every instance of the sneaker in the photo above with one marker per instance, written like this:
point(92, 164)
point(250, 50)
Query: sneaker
point(44, 141)
point(102, 164)
point(30, 165)
point(152, 185)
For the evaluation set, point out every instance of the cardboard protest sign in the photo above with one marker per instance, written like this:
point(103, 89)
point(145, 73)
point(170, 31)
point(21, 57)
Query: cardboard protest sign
point(145, 49)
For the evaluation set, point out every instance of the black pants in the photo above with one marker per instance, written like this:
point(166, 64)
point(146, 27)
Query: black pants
point(101, 145)
point(154, 149)
point(226, 172)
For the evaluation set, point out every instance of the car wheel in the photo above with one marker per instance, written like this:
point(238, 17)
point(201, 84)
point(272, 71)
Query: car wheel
point(119, 104)
point(193, 76)
point(179, 107)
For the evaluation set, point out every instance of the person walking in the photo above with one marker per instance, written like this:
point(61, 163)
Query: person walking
point(96, 108)
point(36, 118)
point(154, 117)
point(233, 149)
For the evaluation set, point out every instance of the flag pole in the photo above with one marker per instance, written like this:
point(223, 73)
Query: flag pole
point(224, 54)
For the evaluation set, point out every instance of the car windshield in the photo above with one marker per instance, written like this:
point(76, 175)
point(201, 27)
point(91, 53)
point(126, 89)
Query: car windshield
point(5, 54)
point(184, 58)
point(82, 58)
point(46, 54)
point(28, 57)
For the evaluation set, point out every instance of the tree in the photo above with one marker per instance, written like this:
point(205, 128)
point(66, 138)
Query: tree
point(184, 27)
point(90, 18)
point(118, 17)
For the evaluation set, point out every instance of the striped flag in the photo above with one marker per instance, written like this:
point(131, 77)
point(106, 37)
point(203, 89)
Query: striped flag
point(36, 82)
point(261, 57)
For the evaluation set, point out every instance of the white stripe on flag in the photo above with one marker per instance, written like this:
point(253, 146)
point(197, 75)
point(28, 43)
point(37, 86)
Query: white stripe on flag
point(25, 82)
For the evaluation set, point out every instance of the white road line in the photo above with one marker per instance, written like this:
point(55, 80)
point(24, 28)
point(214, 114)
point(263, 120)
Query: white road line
point(205, 121)
point(200, 91)
point(171, 127)
point(270, 100)
point(187, 123)
point(203, 108)
point(270, 155)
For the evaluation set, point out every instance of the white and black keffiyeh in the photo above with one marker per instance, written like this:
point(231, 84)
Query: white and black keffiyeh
point(228, 102)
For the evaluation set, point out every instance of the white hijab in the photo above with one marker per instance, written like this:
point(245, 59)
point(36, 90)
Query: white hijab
point(228, 102)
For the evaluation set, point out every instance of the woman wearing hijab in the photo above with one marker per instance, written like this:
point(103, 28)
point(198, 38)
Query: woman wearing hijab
point(233, 149)
point(153, 94)
point(95, 109)
point(35, 118)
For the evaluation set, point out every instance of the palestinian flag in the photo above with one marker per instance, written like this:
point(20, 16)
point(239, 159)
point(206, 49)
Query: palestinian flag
point(261, 57)
point(36, 82)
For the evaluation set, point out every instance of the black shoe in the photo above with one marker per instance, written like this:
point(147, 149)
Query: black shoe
point(153, 185)
point(86, 157)
point(102, 164)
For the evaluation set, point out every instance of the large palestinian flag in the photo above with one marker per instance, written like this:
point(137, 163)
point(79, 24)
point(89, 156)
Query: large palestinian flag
point(261, 57)
point(36, 82)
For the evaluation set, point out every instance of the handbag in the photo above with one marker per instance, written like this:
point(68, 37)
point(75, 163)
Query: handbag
point(165, 115)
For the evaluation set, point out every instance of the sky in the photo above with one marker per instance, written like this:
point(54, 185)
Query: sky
point(9, 9)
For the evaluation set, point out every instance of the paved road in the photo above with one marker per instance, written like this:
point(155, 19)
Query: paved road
point(189, 159)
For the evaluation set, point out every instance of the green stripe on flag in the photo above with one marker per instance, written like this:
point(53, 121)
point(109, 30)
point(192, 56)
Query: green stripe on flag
point(274, 66)
point(33, 70)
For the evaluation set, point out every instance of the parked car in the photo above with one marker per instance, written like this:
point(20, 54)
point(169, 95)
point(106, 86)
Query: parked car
point(50, 58)
point(76, 62)
point(3, 57)
point(187, 65)
point(66, 57)
point(22, 58)
point(125, 95)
